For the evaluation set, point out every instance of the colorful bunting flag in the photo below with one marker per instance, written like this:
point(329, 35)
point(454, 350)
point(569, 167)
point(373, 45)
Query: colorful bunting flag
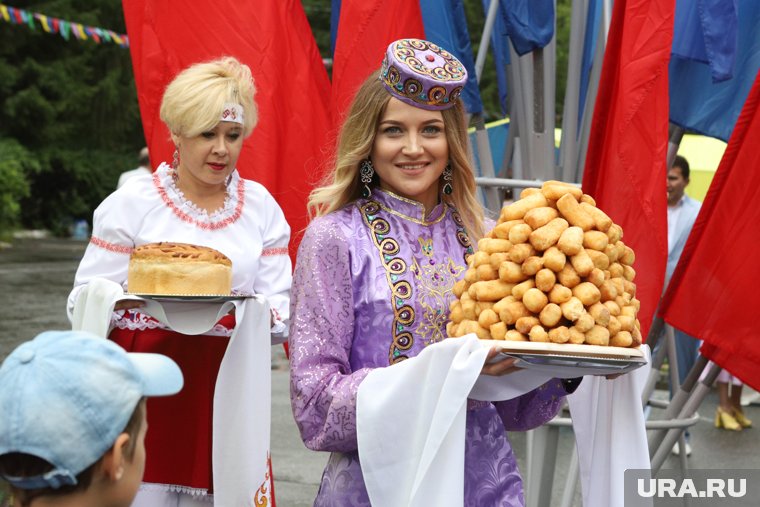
point(50, 24)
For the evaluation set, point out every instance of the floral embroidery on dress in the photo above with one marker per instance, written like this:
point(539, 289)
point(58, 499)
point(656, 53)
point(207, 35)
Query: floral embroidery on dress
point(435, 282)
point(188, 212)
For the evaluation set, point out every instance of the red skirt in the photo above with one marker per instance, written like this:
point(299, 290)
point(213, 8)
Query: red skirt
point(178, 442)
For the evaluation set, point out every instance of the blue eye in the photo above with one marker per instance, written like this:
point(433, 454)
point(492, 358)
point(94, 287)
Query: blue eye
point(432, 129)
point(392, 130)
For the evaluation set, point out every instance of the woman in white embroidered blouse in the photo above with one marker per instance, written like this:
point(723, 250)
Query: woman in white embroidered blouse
point(201, 199)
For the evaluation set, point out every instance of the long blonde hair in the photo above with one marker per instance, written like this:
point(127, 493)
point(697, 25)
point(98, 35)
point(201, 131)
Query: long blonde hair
point(357, 136)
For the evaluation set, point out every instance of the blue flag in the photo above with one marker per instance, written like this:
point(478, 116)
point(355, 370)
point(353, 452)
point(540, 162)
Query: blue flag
point(446, 25)
point(530, 23)
point(500, 51)
point(706, 31)
point(334, 19)
point(701, 105)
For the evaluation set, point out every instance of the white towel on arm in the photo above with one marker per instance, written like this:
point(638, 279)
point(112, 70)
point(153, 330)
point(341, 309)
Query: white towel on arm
point(94, 306)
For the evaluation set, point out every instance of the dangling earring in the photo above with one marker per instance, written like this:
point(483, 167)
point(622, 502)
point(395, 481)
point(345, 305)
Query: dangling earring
point(447, 188)
point(175, 165)
point(367, 171)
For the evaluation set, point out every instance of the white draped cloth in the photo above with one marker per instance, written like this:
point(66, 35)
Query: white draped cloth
point(429, 468)
point(610, 433)
point(242, 397)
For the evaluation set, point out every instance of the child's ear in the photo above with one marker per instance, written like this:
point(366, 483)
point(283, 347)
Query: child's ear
point(115, 458)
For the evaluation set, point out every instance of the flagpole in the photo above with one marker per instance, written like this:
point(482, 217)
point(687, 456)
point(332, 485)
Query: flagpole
point(593, 89)
point(690, 407)
point(485, 38)
point(568, 151)
point(491, 197)
point(518, 116)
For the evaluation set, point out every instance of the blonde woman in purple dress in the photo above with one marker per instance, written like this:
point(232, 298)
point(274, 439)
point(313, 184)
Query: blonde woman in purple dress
point(394, 224)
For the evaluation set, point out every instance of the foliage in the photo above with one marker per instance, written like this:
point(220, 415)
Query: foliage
point(13, 157)
point(72, 106)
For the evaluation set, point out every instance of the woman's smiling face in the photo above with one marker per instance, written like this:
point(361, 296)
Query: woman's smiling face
point(410, 152)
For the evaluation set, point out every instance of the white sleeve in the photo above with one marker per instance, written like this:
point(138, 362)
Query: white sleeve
point(111, 243)
point(275, 271)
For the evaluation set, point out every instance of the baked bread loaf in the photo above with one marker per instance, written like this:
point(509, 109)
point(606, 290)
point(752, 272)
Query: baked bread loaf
point(179, 268)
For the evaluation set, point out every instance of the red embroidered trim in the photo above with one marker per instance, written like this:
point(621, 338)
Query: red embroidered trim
point(202, 225)
point(262, 497)
point(267, 252)
point(112, 247)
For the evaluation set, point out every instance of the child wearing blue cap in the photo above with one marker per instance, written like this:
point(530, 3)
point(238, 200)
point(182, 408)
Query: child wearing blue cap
point(73, 419)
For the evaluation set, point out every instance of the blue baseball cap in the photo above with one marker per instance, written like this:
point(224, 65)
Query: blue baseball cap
point(66, 395)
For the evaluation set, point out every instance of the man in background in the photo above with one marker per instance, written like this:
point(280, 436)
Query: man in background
point(144, 168)
point(682, 212)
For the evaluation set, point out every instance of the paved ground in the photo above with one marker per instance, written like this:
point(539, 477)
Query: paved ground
point(36, 276)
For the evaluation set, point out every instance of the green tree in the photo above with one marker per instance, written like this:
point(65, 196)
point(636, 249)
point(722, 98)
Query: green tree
point(72, 106)
point(13, 159)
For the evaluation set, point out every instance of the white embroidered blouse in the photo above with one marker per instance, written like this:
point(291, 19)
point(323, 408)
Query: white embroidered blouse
point(250, 229)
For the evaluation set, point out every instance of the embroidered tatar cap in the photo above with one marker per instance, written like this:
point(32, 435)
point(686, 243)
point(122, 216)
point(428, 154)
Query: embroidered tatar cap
point(422, 74)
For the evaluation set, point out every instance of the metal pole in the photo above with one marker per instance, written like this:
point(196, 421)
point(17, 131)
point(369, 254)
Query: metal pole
point(568, 151)
point(509, 182)
point(485, 38)
point(680, 399)
point(593, 88)
point(690, 407)
point(490, 194)
point(518, 118)
point(674, 141)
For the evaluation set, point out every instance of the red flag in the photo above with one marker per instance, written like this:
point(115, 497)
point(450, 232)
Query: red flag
point(274, 39)
point(713, 294)
point(625, 166)
point(365, 29)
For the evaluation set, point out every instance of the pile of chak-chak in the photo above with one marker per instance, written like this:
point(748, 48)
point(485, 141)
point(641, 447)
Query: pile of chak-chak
point(554, 269)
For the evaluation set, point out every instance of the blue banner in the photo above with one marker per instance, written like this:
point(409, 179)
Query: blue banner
point(706, 31)
point(446, 25)
point(698, 103)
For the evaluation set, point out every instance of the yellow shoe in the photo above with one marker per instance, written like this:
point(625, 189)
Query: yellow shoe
point(742, 419)
point(725, 420)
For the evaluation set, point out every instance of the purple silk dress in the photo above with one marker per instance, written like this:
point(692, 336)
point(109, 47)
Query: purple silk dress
point(372, 286)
